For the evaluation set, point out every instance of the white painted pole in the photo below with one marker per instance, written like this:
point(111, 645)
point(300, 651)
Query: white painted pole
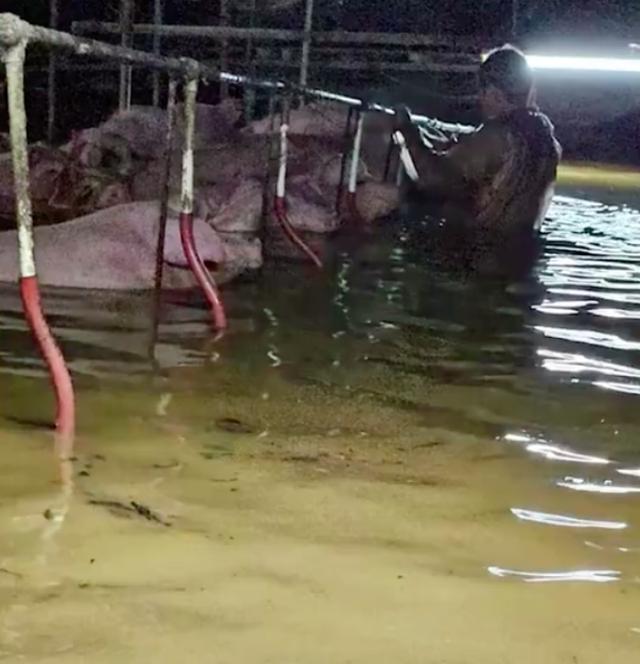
point(406, 162)
point(13, 58)
point(191, 91)
point(14, 61)
point(282, 164)
point(355, 156)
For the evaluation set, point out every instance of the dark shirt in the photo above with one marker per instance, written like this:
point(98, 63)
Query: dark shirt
point(500, 177)
point(493, 187)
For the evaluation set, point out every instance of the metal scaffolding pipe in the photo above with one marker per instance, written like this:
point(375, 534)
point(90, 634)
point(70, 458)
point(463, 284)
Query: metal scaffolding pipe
point(54, 14)
point(306, 43)
point(219, 33)
point(126, 40)
point(158, 20)
point(249, 96)
point(13, 58)
point(280, 202)
point(224, 47)
point(13, 30)
point(203, 277)
point(164, 201)
point(352, 183)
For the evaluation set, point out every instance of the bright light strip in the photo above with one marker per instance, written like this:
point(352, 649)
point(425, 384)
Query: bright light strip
point(576, 63)
point(567, 521)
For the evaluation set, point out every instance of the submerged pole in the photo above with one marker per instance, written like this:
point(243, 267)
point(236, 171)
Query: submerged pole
point(306, 43)
point(13, 58)
point(158, 19)
point(353, 170)
point(346, 146)
point(51, 83)
point(280, 203)
point(126, 39)
point(249, 94)
point(164, 208)
point(187, 237)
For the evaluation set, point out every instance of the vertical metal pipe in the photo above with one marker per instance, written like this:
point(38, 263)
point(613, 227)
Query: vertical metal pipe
point(249, 93)
point(354, 215)
point(387, 162)
point(355, 155)
point(158, 20)
point(280, 204)
point(29, 290)
point(272, 152)
point(196, 264)
point(51, 83)
point(224, 48)
point(346, 147)
point(164, 202)
point(126, 40)
point(306, 43)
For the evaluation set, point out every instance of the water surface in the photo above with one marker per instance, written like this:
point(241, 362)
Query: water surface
point(383, 462)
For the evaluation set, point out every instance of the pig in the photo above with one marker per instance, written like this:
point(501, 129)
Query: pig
point(318, 119)
point(240, 211)
point(45, 165)
point(128, 140)
point(115, 249)
point(309, 208)
point(377, 200)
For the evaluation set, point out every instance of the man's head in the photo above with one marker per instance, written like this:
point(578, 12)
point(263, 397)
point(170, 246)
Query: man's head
point(506, 82)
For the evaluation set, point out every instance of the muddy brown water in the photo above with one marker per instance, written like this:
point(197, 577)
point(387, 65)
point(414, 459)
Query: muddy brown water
point(379, 463)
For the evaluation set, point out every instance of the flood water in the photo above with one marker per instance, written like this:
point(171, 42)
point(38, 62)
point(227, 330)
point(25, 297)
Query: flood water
point(380, 463)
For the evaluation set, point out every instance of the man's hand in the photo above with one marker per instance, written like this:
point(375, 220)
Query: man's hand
point(402, 119)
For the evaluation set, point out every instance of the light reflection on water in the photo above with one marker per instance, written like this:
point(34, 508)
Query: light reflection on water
point(387, 324)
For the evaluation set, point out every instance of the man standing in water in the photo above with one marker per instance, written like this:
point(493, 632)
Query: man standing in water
point(493, 186)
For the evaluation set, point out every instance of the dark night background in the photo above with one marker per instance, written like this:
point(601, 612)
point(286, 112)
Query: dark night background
point(614, 21)
point(574, 100)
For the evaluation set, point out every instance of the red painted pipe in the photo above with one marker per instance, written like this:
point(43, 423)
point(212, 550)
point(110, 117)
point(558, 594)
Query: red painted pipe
point(65, 399)
point(281, 215)
point(203, 276)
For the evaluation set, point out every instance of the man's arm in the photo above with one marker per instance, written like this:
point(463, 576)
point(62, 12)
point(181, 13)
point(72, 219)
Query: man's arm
point(462, 168)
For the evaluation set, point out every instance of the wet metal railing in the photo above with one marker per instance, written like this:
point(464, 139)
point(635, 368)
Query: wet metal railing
point(15, 36)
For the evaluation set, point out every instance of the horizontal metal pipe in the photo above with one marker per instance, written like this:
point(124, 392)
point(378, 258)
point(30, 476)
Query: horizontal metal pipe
point(216, 32)
point(14, 30)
